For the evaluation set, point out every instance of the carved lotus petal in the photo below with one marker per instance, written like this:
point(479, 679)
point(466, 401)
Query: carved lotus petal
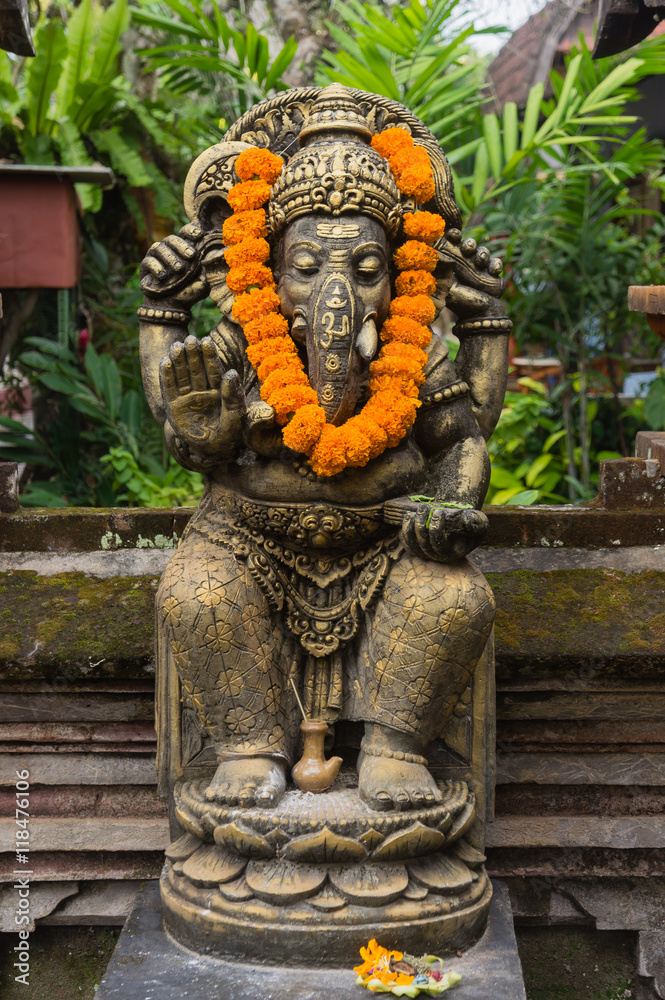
point(410, 843)
point(246, 843)
point(237, 891)
point(444, 874)
point(415, 891)
point(370, 884)
point(371, 838)
point(188, 823)
point(324, 846)
point(463, 821)
point(467, 853)
point(211, 865)
point(183, 847)
point(283, 882)
point(328, 900)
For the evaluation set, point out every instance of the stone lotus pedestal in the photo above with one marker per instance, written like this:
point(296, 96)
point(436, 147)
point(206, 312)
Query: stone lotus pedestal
point(148, 963)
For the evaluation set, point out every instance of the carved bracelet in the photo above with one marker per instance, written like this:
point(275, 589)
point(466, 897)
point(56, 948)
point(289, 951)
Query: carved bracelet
point(450, 392)
point(497, 324)
point(409, 758)
point(179, 316)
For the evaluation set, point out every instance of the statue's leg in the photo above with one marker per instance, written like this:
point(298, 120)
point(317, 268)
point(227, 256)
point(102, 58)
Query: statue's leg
point(234, 662)
point(424, 639)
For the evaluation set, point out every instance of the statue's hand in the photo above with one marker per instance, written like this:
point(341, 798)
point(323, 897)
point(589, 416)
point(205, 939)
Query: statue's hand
point(173, 268)
point(443, 533)
point(261, 433)
point(205, 406)
point(472, 303)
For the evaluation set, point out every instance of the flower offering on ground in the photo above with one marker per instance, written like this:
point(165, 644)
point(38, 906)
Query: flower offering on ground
point(383, 971)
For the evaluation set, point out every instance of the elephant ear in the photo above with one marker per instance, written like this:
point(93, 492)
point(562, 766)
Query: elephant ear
point(209, 180)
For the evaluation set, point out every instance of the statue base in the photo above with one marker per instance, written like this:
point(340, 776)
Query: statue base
point(323, 872)
point(147, 960)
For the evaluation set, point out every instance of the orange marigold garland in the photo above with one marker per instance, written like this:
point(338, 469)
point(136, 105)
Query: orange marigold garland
point(395, 374)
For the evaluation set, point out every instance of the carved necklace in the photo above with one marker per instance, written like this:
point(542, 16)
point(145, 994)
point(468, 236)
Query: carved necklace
point(395, 374)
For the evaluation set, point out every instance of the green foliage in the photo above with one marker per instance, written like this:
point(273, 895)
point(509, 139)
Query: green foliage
point(528, 450)
point(417, 54)
point(654, 403)
point(177, 487)
point(95, 423)
point(72, 105)
point(200, 52)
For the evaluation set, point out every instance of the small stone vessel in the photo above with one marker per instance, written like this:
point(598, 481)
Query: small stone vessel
point(313, 773)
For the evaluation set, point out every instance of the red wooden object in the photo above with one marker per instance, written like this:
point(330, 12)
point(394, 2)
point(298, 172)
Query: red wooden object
point(39, 238)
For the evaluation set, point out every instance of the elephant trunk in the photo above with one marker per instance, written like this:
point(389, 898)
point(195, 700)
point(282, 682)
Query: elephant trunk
point(334, 356)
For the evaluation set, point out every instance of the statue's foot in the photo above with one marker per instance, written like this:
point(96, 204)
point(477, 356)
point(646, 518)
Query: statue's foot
point(386, 783)
point(248, 781)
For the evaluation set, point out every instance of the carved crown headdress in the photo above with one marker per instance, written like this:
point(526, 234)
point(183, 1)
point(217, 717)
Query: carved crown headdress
point(335, 170)
point(323, 135)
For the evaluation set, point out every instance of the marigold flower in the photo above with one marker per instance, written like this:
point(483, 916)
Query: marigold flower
point(413, 255)
point(418, 307)
point(399, 350)
point(248, 195)
point(258, 353)
point(255, 304)
point(283, 378)
point(276, 361)
point(241, 225)
point(289, 400)
point(424, 226)
point(395, 412)
point(239, 279)
point(397, 382)
point(397, 366)
point(413, 173)
point(249, 251)
point(391, 141)
point(272, 325)
point(415, 283)
point(329, 454)
point(304, 428)
point(406, 331)
point(259, 163)
point(377, 436)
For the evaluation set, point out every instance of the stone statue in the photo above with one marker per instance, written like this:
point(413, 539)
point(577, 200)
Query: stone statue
point(323, 413)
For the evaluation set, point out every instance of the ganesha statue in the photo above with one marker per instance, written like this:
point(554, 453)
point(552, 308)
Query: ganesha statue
point(324, 574)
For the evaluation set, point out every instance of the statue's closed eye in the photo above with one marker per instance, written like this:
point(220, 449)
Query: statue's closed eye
point(369, 266)
point(306, 263)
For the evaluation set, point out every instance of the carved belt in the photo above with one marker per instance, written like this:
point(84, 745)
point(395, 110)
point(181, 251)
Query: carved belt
point(310, 526)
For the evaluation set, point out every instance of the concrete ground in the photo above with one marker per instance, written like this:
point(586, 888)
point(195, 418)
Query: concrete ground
point(560, 963)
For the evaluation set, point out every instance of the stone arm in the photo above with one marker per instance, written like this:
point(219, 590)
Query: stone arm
point(197, 390)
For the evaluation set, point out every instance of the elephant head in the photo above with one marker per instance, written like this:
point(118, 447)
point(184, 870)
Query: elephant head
point(334, 287)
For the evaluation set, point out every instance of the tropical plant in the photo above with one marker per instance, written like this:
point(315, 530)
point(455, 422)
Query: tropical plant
point(88, 410)
point(416, 54)
point(528, 450)
point(72, 105)
point(200, 52)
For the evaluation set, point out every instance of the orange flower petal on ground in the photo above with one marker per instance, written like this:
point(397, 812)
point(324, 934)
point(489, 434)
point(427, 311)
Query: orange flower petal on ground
point(241, 225)
point(424, 226)
point(248, 195)
point(249, 251)
point(415, 256)
point(418, 307)
point(415, 283)
point(259, 163)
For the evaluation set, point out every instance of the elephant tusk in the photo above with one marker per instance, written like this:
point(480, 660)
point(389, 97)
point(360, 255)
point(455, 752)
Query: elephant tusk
point(368, 338)
point(299, 325)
